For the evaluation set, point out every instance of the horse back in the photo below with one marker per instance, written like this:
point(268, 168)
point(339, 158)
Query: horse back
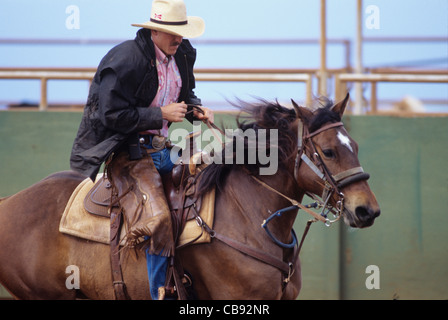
point(57, 184)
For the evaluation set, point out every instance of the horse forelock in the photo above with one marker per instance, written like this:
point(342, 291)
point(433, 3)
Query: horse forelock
point(322, 114)
point(268, 116)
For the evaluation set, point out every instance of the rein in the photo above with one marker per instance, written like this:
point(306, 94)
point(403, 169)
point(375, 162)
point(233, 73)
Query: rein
point(209, 123)
point(332, 184)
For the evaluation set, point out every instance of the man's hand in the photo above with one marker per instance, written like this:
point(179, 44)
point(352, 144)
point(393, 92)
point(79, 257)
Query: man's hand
point(174, 112)
point(207, 115)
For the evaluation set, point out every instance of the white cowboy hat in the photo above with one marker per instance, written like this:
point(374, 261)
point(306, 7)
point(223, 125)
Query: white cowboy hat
point(170, 16)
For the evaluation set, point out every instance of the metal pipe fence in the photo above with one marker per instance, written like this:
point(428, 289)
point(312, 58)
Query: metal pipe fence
point(45, 74)
point(341, 78)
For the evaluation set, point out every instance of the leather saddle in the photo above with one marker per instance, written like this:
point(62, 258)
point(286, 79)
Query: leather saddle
point(99, 198)
point(180, 191)
point(124, 181)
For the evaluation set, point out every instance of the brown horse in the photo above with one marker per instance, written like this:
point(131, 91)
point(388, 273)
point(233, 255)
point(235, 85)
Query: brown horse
point(244, 260)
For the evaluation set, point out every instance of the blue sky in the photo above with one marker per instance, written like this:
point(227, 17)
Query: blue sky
point(225, 19)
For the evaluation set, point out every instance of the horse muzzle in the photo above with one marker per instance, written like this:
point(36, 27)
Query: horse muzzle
point(362, 217)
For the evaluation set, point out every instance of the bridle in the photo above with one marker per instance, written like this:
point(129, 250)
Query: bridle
point(306, 153)
point(332, 183)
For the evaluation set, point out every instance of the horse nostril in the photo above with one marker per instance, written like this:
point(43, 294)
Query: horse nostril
point(366, 213)
point(377, 213)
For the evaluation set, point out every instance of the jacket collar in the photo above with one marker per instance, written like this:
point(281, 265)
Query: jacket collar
point(185, 57)
point(145, 43)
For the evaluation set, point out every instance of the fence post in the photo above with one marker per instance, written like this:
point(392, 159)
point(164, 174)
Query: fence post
point(43, 94)
point(337, 87)
point(373, 98)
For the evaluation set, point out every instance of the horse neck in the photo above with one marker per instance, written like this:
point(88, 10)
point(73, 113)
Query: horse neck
point(251, 203)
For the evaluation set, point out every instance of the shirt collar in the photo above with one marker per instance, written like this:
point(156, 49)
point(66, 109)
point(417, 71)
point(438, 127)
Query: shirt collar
point(160, 56)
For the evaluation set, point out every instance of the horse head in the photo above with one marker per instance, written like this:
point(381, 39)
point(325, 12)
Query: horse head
point(327, 164)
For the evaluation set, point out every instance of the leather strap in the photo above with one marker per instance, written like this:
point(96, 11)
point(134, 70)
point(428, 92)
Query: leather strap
point(347, 173)
point(209, 123)
point(293, 202)
point(324, 128)
point(117, 275)
point(305, 232)
point(254, 253)
point(178, 273)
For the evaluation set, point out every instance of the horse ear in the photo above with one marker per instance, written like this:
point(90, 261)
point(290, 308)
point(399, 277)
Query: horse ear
point(303, 113)
point(340, 106)
point(296, 107)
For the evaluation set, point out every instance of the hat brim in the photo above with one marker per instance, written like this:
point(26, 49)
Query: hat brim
point(194, 28)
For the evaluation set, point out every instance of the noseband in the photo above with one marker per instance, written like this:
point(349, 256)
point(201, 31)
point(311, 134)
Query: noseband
point(332, 183)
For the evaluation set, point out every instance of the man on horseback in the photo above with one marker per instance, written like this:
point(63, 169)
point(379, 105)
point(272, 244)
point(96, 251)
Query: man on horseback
point(140, 88)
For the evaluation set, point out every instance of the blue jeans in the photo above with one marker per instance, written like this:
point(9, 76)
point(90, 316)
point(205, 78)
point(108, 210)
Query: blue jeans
point(156, 264)
point(162, 161)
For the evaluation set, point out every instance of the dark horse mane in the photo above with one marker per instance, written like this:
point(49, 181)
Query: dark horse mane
point(267, 115)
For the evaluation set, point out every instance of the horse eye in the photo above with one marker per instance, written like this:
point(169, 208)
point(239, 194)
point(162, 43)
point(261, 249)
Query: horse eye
point(328, 153)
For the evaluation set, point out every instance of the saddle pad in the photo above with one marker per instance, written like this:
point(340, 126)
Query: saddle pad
point(76, 221)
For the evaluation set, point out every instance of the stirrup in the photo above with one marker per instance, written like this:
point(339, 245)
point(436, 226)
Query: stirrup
point(164, 294)
point(161, 293)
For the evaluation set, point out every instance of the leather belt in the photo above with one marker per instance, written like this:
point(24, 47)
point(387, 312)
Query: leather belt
point(155, 142)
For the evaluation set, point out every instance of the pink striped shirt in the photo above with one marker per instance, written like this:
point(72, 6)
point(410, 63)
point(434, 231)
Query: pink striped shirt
point(170, 84)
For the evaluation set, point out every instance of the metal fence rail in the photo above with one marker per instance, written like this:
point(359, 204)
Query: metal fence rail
point(87, 74)
point(341, 79)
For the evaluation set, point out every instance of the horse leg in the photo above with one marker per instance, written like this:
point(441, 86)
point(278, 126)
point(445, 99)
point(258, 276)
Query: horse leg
point(223, 272)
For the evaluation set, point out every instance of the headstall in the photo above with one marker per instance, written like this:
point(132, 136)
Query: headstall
point(332, 183)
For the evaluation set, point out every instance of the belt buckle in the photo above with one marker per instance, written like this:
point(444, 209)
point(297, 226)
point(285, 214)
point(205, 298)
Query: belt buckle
point(158, 142)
